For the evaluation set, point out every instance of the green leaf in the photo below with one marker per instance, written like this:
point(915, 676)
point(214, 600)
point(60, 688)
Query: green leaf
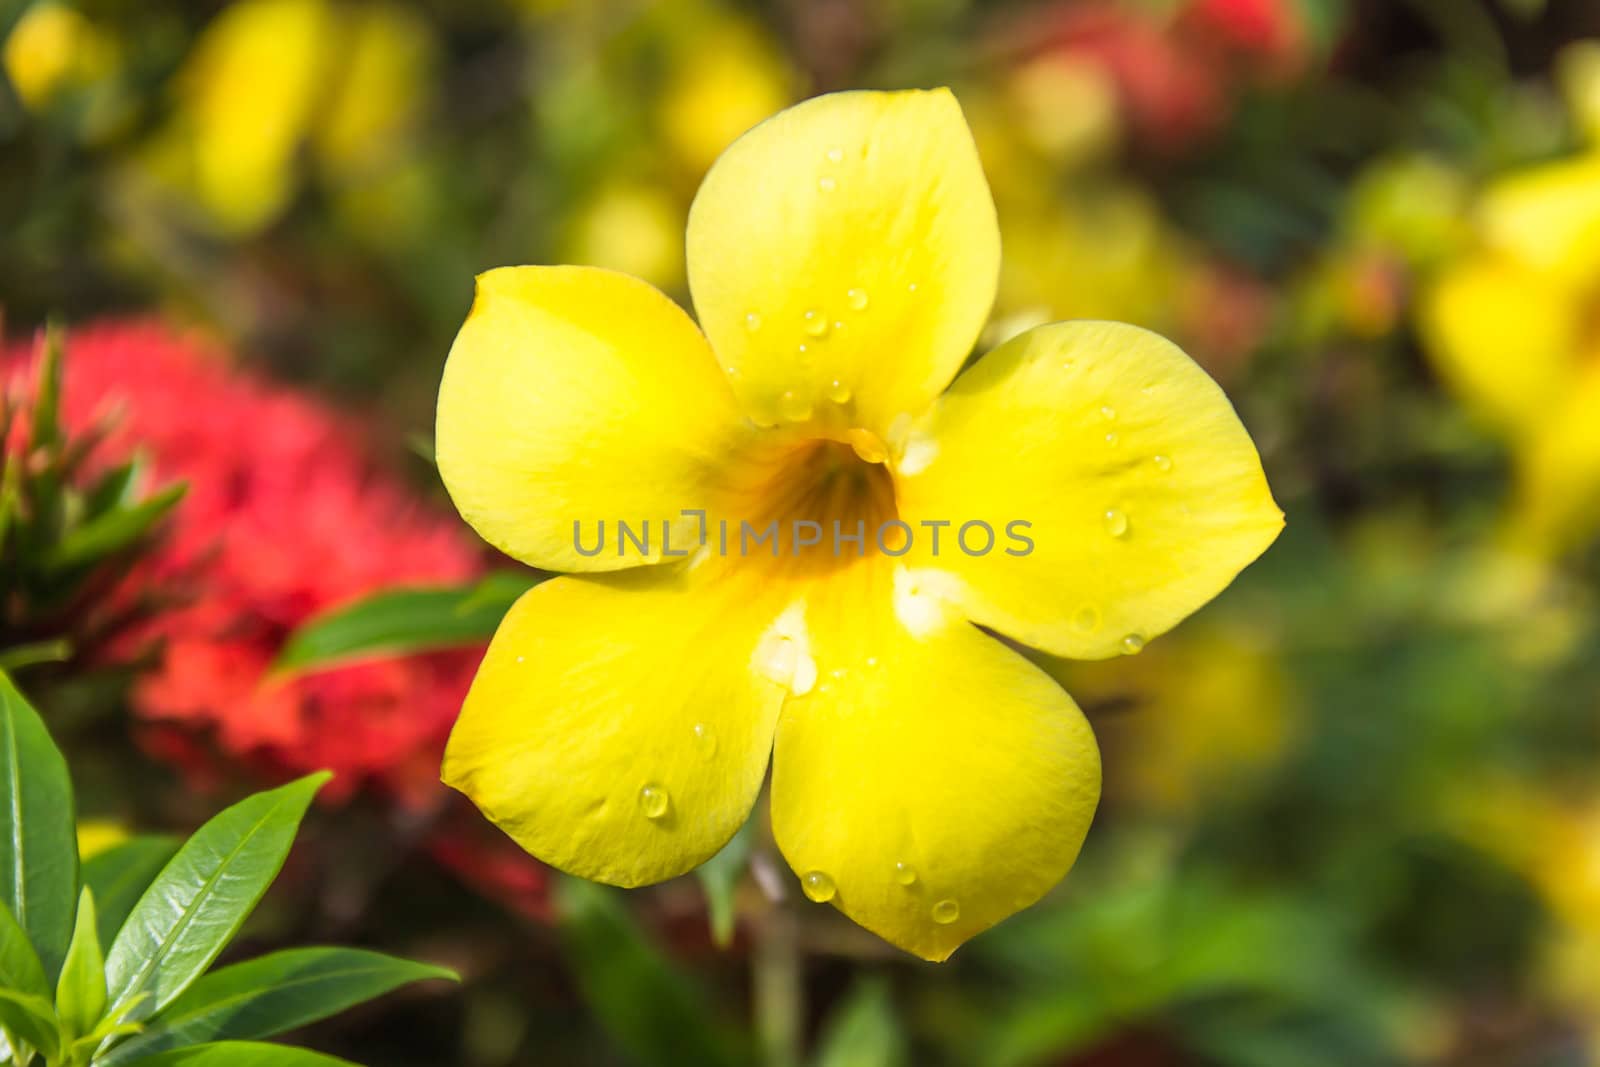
point(29, 1018)
point(863, 1032)
point(120, 875)
point(46, 428)
point(20, 968)
point(719, 877)
point(651, 1009)
point(58, 650)
point(112, 531)
point(201, 898)
point(241, 1054)
point(38, 831)
point(81, 992)
point(266, 996)
point(399, 621)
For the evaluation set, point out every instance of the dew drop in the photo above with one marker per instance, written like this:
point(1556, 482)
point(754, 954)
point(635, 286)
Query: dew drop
point(1116, 523)
point(1087, 619)
point(521, 659)
point(911, 288)
point(946, 912)
point(839, 392)
point(1132, 644)
point(872, 661)
point(857, 299)
point(827, 185)
point(653, 801)
point(1108, 411)
point(835, 155)
point(752, 322)
point(1163, 463)
point(704, 740)
point(818, 886)
point(1111, 439)
point(816, 323)
point(905, 874)
point(794, 407)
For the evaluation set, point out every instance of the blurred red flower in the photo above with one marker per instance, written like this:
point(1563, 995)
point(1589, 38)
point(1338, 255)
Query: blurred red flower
point(285, 517)
point(1177, 73)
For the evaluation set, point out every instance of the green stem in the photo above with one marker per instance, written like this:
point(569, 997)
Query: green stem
point(778, 991)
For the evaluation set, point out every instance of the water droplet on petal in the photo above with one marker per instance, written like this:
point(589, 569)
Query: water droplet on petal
point(818, 886)
point(835, 155)
point(816, 323)
point(911, 288)
point(946, 912)
point(752, 322)
point(1132, 644)
point(1087, 619)
point(1108, 411)
point(704, 740)
point(1111, 439)
point(654, 802)
point(521, 659)
point(827, 185)
point(905, 874)
point(857, 298)
point(1116, 523)
point(1163, 463)
point(794, 406)
point(872, 661)
point(839, 392)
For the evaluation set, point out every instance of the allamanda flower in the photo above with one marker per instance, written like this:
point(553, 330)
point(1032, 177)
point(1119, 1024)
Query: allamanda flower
point(927, 779)
point(1514, 328)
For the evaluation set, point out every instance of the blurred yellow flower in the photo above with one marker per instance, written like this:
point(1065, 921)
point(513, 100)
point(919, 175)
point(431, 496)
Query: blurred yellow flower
point(1208, 711)
point(633, 228)
point(53, 47)
point(269, 78)
point(1514, 328)
point(98, 835)
point(928, 781)
point(729, 79)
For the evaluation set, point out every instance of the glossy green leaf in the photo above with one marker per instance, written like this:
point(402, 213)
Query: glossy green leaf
point(46, 429)
point(29, 1017)
point(240, 1054)
point(201, 898)
point(120, 875)
point(719, 877)
point(401, 621)
point(863, 1031)
point(38, 831)
point(267, 996)
point(20, 968)
point(111, 531)
point(81, 992)
point(651, 1009)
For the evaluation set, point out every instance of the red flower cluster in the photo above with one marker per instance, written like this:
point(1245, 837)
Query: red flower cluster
point(284, 518)
point(1176, 74)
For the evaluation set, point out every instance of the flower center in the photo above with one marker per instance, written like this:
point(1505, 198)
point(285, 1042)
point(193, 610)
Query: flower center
point(820, 504)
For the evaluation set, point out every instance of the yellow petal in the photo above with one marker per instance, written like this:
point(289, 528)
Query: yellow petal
point(579, 395)
point(1504, 337)
point(1558, 505)
point(843, 257)
point(1144, 493)
point(1548, 217)
point(615, 729)
point(933, 781)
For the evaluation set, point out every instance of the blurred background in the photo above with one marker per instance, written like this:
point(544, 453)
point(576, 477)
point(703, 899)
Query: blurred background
point(1352, 811)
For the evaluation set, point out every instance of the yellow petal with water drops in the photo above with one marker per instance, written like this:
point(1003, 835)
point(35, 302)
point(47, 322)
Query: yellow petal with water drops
point(843, 257)
point(1142, 493)
point(575, 395)
point(933, 781)
point(1558, 502)
point(1504, 337)
point(616, 729)
point(1548, 217)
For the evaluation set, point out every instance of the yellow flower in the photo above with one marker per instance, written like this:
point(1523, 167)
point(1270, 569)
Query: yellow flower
point(53, 48)
point(927, 779)
point(1514, 328)
point(270, 78)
